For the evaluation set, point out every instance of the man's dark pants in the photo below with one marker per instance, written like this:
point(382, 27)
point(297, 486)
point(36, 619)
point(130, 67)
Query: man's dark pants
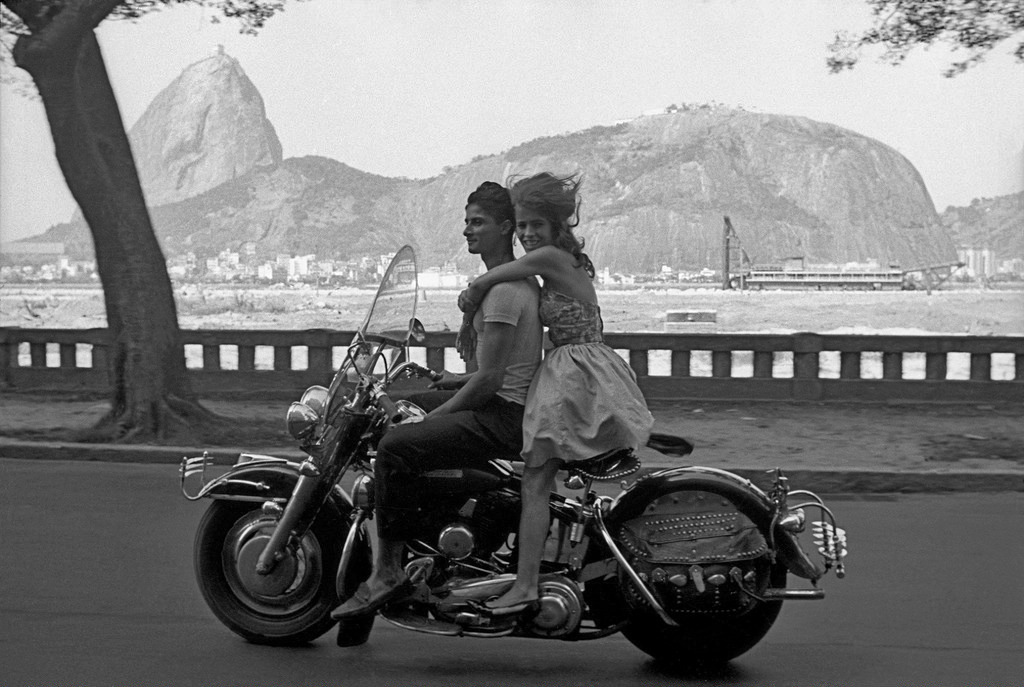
point(463, 439)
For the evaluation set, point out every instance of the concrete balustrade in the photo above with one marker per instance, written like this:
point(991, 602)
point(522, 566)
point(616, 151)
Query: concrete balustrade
point(669, 366)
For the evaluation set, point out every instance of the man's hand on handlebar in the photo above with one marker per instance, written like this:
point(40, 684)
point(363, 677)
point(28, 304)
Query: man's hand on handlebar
point(449, 380)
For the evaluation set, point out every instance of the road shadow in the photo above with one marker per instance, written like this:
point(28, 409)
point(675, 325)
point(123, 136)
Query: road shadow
point(697, 672)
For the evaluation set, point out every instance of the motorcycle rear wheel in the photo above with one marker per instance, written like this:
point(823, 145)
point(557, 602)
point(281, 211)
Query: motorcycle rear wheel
point(290, 606)
point(706, 641)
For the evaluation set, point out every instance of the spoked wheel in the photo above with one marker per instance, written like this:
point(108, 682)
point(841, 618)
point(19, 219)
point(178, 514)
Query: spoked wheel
point(706, 640)
point(289, 606)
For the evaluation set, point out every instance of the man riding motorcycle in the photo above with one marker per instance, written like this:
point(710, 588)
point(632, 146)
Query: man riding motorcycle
point(467, 426)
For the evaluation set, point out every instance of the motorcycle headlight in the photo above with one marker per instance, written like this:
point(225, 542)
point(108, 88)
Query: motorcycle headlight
point(316, 398)
point(301, 420)
point(409, 413)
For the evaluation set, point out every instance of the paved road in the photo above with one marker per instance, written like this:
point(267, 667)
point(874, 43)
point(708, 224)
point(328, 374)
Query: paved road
point(96, 588)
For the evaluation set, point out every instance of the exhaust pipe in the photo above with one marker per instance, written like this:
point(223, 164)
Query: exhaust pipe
point(793, 594)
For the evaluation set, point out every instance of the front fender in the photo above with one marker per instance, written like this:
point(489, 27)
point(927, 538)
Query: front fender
point(749, 500)
point(253, 478)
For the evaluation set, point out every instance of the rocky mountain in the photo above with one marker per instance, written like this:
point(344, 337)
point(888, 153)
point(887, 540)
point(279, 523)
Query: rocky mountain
point(996, 223)
point(657, 188)
point(300, 206)
point(207, 127)
point(655, 191)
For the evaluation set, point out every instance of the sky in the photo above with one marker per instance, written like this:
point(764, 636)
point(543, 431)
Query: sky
point(407, 87)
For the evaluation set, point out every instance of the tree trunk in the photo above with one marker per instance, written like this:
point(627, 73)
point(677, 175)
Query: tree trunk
point(151, 396)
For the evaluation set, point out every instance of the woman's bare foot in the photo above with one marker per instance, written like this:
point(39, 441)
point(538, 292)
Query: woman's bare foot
point(515, 600)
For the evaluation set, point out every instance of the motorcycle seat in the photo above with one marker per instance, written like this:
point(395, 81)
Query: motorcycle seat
point(606, 466)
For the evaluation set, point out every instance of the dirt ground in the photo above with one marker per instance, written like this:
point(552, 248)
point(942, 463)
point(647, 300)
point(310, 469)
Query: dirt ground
point(918, 437)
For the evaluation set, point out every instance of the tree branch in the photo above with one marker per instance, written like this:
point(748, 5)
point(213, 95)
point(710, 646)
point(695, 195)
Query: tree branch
point(901, 25)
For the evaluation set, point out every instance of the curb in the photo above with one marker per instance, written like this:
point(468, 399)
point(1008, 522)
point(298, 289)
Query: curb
point(831, 481)
point(823, 481)
point(128, 453)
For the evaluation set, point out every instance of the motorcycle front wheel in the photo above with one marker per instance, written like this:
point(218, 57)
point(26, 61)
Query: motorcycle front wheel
point(289, 606)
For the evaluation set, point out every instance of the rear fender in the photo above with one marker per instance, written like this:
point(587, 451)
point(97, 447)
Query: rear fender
point(750, 500)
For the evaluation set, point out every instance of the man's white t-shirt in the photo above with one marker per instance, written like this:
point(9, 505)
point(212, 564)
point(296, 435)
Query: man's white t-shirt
point(515, 303)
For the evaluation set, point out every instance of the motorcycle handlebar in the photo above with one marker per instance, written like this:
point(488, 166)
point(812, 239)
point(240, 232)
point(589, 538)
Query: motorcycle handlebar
point(389, 406)
point(380, 388)
point(412, 368)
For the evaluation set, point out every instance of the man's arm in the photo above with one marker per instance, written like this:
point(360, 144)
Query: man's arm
point(546, 262)
point(494, 350)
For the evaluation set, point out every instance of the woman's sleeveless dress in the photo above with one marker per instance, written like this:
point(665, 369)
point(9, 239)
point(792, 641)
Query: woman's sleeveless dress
point(583, 400)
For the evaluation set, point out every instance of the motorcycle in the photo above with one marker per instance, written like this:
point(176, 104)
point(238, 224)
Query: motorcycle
point(690, 564)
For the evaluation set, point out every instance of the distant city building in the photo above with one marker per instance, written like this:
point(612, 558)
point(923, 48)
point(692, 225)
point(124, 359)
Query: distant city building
point(980, 262)
point(435, 278)
point(1015, 266)
point(298, 266)
point(228, 258)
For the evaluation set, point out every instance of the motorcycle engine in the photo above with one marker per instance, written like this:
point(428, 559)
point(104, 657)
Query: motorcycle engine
point(483, 525)
point(456, 541)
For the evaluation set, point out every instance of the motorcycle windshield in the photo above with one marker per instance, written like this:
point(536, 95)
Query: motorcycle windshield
point(394, 307)
point(387, 325)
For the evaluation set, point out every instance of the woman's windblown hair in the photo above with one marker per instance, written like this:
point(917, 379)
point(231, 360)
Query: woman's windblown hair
point(557, 200)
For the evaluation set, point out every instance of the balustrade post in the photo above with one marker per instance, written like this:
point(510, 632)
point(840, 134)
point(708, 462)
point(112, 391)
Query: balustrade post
point(806, 349)
point(246, 357)
point(211, 356)
point(37, 353)
point(680, 363)
point(981, 367)
point(935, 365)
point(721, 363)
point(892, 365)
point(849, 365)
point(638, 361)
point(282, 357)
point(68, 359)
point(9, 356)
point(318, 352)
point(764, 364)
point(1018, 366)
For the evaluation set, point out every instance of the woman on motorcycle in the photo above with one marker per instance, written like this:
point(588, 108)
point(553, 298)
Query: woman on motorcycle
point(583, 399)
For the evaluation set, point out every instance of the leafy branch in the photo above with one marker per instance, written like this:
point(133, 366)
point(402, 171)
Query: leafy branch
point(976, 26)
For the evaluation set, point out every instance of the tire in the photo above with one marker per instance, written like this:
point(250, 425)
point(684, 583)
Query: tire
point(706, 641)
point(290, 606)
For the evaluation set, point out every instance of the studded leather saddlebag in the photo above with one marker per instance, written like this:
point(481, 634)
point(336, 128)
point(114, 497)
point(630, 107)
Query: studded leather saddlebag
point(689, 544)
point(692, 527)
